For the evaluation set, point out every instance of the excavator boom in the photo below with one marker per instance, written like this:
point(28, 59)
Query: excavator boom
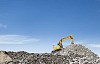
point(59, 45)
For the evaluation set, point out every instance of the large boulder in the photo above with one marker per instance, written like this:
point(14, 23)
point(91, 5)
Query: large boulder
point(4, 57)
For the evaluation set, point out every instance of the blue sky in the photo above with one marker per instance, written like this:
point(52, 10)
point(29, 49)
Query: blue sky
point(37, 25)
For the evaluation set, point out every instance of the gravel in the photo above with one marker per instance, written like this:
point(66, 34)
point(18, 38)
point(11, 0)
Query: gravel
point(72, 54)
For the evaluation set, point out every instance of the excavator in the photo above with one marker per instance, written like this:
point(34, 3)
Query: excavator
point(59, 46)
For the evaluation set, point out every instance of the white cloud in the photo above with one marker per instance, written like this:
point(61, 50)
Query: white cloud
point(3, 26)
point(16, 39)
point(79, 42)
point(95, 45)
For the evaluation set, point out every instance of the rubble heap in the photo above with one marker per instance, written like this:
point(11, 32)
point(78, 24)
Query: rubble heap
point(76, 49)
point(72, 54)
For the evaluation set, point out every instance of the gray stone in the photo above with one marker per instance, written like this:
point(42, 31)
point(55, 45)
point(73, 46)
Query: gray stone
point(72, 54)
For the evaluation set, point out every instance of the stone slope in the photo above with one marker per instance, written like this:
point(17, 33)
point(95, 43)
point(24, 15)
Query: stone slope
point(77, 49)
point(72, 54)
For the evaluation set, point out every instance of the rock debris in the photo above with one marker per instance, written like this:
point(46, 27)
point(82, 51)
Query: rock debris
point(72, 54)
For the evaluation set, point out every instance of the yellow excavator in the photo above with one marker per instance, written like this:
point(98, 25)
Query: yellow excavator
point(60, 46)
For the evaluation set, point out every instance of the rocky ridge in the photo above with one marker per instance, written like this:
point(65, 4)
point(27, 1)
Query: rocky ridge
point(72, 54)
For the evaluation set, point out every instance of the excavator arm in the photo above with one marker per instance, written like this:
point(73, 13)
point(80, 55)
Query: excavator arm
point(59, 45)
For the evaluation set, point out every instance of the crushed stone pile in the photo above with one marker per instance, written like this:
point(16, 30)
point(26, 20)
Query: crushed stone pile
point(77, 49)
point(72, 54)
